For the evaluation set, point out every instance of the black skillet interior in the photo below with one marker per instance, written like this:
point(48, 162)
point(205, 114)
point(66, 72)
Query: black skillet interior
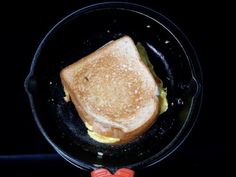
point(80, 34)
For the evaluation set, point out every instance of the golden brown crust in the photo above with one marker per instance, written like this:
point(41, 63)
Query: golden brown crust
point(113, 91)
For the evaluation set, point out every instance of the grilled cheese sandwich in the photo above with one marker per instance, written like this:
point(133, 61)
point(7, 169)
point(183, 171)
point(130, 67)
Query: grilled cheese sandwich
point(116, 95)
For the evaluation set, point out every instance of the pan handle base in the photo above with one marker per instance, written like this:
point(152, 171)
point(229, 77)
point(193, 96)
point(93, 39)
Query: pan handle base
point(122, 172)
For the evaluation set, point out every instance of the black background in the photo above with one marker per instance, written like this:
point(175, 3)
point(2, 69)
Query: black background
point(210, 148)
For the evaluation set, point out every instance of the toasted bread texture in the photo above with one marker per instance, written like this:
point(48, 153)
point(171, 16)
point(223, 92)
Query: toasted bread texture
point(113, 91)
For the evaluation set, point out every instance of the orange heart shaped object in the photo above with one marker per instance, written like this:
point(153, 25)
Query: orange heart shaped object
point(102, 172)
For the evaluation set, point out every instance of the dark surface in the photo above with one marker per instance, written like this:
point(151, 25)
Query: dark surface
point(209, 149)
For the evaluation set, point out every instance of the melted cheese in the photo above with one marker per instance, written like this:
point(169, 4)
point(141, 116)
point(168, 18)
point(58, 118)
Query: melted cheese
point(162, 92)
point(100, 138)
point(67, 95)
point(163, 100)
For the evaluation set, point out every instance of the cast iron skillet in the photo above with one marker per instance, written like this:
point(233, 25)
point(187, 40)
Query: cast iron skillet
point(79, 34)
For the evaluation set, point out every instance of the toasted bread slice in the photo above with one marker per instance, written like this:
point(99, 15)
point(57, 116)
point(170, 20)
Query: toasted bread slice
point(113, 91)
